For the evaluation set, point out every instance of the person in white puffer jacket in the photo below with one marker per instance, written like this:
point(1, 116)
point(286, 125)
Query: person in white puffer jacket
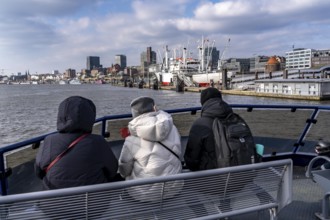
point(144, 154)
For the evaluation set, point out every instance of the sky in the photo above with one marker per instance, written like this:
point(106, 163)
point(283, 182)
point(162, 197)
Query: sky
point(40, 36)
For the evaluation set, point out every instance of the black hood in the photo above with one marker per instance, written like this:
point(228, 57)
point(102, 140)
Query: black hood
point(216, 107)
point(76, 114)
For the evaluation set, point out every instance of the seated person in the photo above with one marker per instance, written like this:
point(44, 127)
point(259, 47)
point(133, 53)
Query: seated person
point(89, 160)
point(200, 151)
point(152, 149)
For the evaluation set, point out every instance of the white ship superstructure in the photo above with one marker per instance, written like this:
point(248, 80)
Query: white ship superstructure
point(205, 75)
point(177, 68)
point(193, 71)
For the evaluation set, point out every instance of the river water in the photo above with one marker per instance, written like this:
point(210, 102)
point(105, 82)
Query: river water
point(27, 111)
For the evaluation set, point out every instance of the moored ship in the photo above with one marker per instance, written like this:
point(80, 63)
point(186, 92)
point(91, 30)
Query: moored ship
point(193, 71)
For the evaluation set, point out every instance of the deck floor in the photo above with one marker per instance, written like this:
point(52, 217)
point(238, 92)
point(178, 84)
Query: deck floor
point(307, 196)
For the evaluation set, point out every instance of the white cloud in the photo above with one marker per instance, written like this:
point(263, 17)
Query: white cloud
point(223, 9)
point(146, 10)
point(58, 34)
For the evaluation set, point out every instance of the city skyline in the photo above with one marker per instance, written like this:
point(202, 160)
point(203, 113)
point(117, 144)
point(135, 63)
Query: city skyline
point(41, 36)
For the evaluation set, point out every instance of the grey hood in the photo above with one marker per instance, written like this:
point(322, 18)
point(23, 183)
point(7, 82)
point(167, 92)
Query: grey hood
point(76, 114)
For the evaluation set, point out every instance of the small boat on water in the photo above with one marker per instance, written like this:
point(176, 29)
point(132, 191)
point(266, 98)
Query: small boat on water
point(100, 82)
point(285, 131)
point(62, 82)
point(25, 83)
point(74, 82)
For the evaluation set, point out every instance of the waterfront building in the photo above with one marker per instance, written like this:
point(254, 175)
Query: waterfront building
point(258, 64)
point(70, 73)
point(211, 57)
point(319, 88)
point(238, 65)
point(121, 60)
point(151, 56)
point(320, 58)
point(299, 58)
point(148, 58)
point(272, 65)
point(94, 72)
point(131, 71)
point(302, 58)
point(85, 72)
point(93, 62)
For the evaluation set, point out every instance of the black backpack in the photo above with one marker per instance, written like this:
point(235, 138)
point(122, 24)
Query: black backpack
point(234, 143)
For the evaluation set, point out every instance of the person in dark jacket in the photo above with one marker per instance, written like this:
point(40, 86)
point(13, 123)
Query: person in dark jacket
point(200, 150)
point(89, 161)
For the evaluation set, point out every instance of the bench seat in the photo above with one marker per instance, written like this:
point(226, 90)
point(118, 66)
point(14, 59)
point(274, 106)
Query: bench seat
point(210, 194)
point(322, 177)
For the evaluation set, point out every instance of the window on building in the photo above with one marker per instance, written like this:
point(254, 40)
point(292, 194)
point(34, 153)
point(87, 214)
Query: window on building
point(298, 89)
point(266, 87)
point(312, 89)
point(285, 89)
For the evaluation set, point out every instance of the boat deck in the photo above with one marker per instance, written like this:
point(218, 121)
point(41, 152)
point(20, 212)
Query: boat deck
point(307, 195)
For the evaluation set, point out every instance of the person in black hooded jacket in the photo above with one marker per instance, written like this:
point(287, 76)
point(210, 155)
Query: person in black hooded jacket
point(200, 150)
point(90, 161)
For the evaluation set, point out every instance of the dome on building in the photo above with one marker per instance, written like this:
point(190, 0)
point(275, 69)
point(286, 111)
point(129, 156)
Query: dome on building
point(272, 61)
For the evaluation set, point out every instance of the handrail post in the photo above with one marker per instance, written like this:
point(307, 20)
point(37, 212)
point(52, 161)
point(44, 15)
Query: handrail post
point(306, 129)
point(325, 206)
point(3, 178)
point(103, 127)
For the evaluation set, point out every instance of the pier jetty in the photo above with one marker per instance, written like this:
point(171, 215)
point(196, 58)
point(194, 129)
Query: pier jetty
point(246, 93)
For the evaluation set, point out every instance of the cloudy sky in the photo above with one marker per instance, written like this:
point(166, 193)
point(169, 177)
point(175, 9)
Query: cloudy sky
point(45, 35)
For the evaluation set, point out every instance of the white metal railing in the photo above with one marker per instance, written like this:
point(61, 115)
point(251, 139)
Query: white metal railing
point(205, 194)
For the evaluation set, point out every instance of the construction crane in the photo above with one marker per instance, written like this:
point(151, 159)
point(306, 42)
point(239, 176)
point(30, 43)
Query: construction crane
point(2, 71)
point(222, 61)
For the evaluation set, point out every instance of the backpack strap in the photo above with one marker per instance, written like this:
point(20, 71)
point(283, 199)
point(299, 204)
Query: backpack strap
point(64, 152)
point(222, 149)
point(169, 150)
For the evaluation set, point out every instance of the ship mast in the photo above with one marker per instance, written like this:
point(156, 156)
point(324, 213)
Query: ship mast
point(166, 57)
point(201, 55)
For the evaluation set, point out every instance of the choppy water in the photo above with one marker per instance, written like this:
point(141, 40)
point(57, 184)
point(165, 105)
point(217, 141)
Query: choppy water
point(30, 110)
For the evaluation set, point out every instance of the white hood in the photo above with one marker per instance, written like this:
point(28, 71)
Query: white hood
point(142, 156)
point(152, 126)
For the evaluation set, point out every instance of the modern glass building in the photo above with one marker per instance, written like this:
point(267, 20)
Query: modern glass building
point(148, 58)
point(211, 57)
point(93, 62)
point(121, 61)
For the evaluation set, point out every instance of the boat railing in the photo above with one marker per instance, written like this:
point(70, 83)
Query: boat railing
point(286, 131)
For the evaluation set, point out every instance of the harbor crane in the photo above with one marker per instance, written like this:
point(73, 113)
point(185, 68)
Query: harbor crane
point(222, 61)
point(2, 71)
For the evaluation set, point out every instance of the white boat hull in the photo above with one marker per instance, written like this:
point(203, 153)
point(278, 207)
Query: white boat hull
point(74, 82)
point(204, 79)
point(165, 78)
